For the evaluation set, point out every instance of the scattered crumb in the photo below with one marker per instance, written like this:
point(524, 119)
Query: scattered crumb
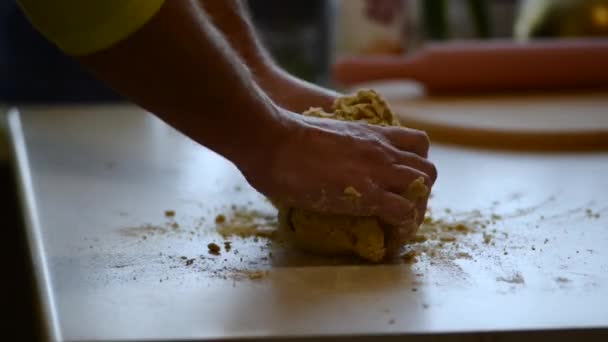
point(249, 223)
point(562, 280)
point(463, 255)
point(174, 225)
point(414, 289)
point(253, 275)
point(546, 240)
point(214, 248)
point(409, 257)
point(514, 279)
point(392, 321)
point(533, 248)
point(352, 192)
point(189, 262)
point(487, 238)
point(183, 258)
point(146, 229)
point(418, 238)
point(219, 219)
point(169, 213)
point(425, 306)
point(227, 246)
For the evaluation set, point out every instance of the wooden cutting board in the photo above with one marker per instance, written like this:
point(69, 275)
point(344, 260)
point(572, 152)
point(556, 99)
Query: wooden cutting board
point(531, 121)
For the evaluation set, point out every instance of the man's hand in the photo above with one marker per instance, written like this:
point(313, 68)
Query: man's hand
point(345, 168)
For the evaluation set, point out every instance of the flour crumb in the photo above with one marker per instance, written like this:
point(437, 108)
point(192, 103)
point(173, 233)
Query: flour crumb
point(514, 279)
point(214, 248)
point(254, 275)
point(352, 192)
point(219, 219)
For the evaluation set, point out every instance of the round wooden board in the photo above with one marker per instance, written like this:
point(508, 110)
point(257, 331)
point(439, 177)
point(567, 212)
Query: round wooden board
point(555, 121)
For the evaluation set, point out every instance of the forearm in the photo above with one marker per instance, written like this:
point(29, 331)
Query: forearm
point(179, 67)
point(232, 18)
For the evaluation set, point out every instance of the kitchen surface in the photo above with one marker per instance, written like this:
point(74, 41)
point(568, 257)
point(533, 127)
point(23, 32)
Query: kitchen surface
point(119, 220)
point(121, 228)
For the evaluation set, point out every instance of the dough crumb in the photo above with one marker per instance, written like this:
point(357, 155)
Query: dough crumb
point(409, 257)
point(219, 219)
point(417, 189)
point(227, 246)
point(487, 238)
point(169, 213)
point(336, 235)
point(514, 279)
point(245, 223)
point(253, 275)
point(214, 248)
point(352, 192)
point(463, 255)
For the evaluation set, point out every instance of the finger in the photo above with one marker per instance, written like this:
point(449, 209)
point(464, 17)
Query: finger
point(399, 178)
point(392, 208)
point(418, 163)
point(408, 140)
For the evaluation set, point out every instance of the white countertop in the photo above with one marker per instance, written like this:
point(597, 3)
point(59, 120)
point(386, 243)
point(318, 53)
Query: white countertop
point(96, 180)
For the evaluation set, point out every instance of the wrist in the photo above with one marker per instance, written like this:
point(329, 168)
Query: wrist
point(260, 140)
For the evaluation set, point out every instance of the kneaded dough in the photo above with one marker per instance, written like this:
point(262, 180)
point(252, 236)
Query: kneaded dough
point(335, 235)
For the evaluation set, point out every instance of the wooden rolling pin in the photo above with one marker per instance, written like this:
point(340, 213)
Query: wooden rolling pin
point(488, 66)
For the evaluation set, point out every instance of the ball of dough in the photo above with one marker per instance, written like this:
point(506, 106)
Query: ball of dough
point(335, 235)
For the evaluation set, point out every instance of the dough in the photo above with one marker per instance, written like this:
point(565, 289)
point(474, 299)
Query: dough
point(335, 235)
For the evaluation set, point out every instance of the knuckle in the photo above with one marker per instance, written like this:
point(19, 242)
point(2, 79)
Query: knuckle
point(432, 172)
point(423, 140)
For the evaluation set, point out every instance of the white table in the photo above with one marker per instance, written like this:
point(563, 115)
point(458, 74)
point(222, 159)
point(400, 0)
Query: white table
point(90, 177)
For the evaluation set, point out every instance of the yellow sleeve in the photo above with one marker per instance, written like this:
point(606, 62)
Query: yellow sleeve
point(81, 27)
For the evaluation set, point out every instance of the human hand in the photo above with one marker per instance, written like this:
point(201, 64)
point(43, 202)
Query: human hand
point(345, 168)
point(292, 93)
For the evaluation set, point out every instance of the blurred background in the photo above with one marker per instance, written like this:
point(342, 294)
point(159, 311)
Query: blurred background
point(305, 36)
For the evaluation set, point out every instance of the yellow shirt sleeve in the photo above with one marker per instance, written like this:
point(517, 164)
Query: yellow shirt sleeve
point(82, 27)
